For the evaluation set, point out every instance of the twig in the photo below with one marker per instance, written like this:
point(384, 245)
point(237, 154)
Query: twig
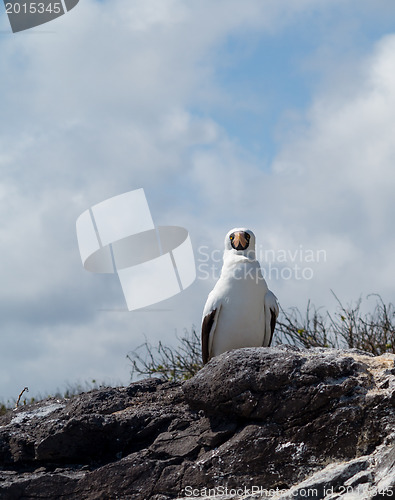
point(26, 389)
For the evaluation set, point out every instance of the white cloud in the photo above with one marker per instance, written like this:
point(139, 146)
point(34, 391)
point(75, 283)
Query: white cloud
point(338, 175)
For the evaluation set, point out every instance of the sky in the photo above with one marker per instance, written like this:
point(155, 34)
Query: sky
point(274, 115)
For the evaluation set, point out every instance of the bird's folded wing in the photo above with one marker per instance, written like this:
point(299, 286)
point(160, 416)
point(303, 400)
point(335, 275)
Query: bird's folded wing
point(271, 312)
point(208, 328)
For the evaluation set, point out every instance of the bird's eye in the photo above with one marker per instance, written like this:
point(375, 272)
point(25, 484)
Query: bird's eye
point(231, 237)
point(248, 236)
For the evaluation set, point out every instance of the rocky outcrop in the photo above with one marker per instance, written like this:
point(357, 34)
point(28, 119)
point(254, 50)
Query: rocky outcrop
point(253, 423)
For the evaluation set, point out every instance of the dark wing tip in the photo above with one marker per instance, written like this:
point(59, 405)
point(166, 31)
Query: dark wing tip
point(273, 318)
point(207, 325)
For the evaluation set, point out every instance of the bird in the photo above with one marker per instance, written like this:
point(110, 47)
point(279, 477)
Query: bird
point(240, 311)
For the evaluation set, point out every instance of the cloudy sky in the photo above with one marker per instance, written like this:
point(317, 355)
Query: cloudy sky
point(273, 114)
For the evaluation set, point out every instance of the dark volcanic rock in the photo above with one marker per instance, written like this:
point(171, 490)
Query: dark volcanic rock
point(252, 420)
point(275, 383)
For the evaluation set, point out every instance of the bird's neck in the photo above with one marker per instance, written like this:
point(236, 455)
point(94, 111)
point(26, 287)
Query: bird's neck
point(234, 260)
point(241, 255)
point(241, 267)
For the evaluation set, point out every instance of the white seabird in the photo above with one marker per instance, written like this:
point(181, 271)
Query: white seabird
point(240, 310)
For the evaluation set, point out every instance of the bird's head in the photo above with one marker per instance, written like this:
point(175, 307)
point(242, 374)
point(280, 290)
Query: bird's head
point(240, 241)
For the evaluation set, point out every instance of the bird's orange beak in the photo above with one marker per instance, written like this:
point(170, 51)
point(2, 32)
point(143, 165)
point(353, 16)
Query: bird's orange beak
point(240, 240)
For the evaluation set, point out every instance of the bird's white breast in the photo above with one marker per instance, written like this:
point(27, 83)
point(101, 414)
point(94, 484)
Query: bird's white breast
point(240, 291)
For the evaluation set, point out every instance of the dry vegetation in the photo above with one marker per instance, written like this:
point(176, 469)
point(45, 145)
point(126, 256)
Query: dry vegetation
point(372, 332)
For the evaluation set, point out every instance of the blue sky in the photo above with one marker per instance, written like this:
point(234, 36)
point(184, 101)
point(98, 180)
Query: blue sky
point(277, 115)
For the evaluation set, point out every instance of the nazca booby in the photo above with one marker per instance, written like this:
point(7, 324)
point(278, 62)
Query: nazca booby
point(240, 310)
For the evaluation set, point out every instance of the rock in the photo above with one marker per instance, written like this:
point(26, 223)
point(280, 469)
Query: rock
point(274, 383)
point(253, 423)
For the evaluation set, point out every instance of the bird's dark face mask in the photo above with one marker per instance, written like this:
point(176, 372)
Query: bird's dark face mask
point(239, 240)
